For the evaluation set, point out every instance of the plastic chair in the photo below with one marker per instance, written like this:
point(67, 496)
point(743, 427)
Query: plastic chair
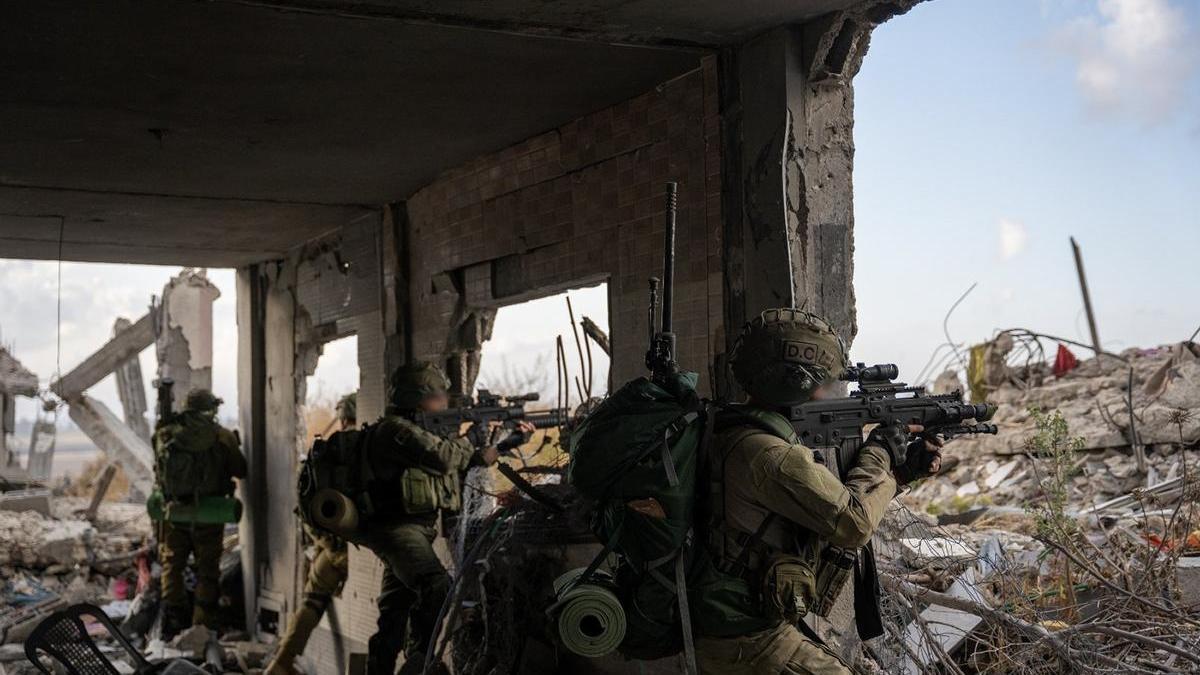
point(63, 635)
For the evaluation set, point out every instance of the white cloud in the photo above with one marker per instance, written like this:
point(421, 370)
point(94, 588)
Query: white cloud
point(1138, 58)
point(1013, 238)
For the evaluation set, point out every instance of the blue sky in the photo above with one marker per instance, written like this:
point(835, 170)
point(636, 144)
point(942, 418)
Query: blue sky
point(987, 133)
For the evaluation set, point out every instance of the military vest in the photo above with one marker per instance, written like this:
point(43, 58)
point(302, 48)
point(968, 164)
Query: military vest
point(751, 585)
point(188, 461)
point(406, 487)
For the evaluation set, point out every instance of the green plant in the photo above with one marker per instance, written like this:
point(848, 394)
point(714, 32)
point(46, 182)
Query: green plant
point(1054, 450)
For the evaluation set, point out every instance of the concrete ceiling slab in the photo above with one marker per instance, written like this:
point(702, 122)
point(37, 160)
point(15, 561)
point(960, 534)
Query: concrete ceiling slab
point(221, 132)
point(153, 229)
point(703, 23)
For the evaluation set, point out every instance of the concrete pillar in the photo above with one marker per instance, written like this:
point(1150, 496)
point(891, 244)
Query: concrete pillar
point(126, 344)
point(184, 335)
point(120, 443)
point(131, 389)
point(251, 381)
point(276, 353)
point(787, 115)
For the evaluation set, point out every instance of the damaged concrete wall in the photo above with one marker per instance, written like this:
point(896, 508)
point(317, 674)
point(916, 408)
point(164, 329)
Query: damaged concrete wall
point(765, 217)
point(125, 444)
point(287, 311)
point(131, 389)
point(787, 115)
point(575, 206)
point(183, 339)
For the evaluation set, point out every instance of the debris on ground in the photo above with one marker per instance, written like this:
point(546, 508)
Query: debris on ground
point(1068, 542)
point(1093, 399)
point(54, 559)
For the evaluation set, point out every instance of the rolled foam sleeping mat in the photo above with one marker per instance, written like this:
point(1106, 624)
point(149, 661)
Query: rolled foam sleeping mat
point(333, 511)
point(591, 621)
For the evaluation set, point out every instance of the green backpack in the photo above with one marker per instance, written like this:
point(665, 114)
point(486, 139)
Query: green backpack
point(340, 463)
point(638, 456)
point(184, 458)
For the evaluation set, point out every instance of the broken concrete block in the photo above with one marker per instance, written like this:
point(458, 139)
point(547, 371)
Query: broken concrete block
point(968, 489)
point(948, 627)
point(936, 552)
point(14, 652)
point(251, 655)
point(26, 500)
point(66, 542)
point(1187, 575)
point(996, 477)
point(193, 640)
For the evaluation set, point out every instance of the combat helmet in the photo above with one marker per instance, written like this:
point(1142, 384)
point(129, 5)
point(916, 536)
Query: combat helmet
point(414, 381)
point(347, 408)
point(783, 355)
point(202, 400)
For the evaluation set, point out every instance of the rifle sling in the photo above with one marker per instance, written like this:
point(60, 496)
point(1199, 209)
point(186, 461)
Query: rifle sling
point(528, 488)
point(867, 616)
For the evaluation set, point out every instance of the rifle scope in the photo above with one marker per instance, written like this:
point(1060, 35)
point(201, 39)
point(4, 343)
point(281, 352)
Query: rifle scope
point(880, 372)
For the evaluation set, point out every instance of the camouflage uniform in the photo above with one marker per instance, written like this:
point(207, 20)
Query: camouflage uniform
point(423, 473)
point(786, 527)
point(327, 573)
point(203, 541)
point(765, 474)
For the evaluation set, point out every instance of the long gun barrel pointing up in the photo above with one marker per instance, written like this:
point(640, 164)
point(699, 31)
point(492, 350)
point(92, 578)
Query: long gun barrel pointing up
point(660, 356)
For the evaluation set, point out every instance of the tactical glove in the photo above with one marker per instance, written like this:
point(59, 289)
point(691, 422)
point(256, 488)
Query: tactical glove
point(512, 441)
point(894, 439)
point(922, 459)
point(910, 460)
point(479, 435)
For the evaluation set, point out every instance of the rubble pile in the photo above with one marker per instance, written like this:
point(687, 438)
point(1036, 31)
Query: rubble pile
point(49, 544)
point(49, 562)
point(1093, 398)
point(1069, 541)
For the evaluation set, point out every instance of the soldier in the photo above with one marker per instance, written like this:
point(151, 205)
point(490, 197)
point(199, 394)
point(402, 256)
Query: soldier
point(196, 460)
point(784, 521)
point(326, 574)
point(422, 472)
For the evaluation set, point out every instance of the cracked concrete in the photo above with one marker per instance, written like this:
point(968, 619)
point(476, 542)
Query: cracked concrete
point(184, 333)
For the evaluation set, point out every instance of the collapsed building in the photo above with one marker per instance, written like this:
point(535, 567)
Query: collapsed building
point(17, 380)
point(398, 171)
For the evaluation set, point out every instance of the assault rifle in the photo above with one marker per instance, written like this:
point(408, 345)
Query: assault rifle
point(838, 423)
point(488, 408)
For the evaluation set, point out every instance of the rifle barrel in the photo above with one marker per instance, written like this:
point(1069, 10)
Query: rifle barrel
point(669, 257)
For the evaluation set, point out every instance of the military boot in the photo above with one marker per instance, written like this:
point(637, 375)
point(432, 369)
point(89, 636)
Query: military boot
point(304, 621)
point(174, 621)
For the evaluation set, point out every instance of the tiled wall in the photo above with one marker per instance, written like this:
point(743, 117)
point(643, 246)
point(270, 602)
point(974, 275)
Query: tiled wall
point(578, 204)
